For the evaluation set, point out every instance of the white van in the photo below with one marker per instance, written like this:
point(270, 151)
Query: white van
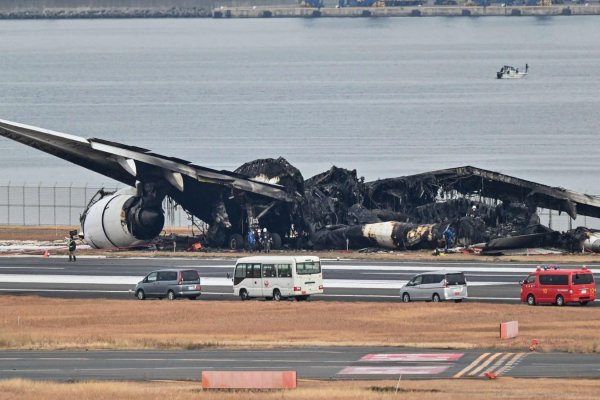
point(277, 277)
point(435, 286)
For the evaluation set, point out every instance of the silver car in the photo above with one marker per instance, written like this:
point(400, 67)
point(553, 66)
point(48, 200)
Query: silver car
point(435, 286)
point(169, 283)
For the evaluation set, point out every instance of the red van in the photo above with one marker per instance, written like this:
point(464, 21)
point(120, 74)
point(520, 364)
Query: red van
point(558, 286)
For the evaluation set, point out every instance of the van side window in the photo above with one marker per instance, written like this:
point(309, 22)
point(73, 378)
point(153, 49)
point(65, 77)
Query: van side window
point(268, 271)
point(167, 275)
point(430, 279)
point(152, 277)
point(554, 280)
point(284, 270)
point(418, 280)
point(530, 279)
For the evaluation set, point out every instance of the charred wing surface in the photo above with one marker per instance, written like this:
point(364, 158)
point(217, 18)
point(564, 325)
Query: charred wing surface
point(469, 180)
point(68, 147)
point(207, 194)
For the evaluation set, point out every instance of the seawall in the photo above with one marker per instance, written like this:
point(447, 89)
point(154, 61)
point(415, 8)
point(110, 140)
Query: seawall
point(423, 11)
point(48, 9)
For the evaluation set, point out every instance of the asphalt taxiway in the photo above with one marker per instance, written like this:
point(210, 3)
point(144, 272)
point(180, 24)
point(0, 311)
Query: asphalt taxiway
point(324, 363)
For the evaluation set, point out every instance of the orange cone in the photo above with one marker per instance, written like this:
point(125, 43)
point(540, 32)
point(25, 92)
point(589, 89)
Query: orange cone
point(46, 254)
point(491, 375)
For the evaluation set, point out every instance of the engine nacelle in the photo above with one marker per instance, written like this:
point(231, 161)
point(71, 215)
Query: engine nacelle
point(120, 220)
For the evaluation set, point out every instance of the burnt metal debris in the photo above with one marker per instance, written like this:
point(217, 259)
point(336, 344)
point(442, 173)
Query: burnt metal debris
point(465, 206)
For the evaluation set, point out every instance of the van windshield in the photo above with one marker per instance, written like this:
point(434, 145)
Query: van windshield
point(455, 279)
point(582, 279)
point(307, 268)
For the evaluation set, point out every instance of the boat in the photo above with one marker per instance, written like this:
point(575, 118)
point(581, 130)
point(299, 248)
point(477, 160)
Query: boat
point(508, 72)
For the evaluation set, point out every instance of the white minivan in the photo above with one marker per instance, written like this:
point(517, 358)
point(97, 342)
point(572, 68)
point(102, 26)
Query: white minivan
point(435, 286)
point(277, 277)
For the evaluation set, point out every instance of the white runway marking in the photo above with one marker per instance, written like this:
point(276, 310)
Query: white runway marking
point(208, 281)
point(393, 370)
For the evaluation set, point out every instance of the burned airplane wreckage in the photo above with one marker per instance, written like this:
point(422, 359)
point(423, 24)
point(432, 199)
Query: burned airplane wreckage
point(495, 211)
point(332, 210)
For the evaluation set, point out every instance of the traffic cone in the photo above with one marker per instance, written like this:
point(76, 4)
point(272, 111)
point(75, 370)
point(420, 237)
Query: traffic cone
point(46, 254)
point(491, 375)
point(534, 344)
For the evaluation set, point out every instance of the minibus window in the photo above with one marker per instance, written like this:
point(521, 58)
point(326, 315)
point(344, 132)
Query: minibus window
point(269, 271)
point(284, 270)
point(583, 279)
point(256, 269)
point(307, 268)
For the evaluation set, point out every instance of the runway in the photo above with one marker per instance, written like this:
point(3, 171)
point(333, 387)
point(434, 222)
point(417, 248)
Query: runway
point(325, 363)
point(344, 280)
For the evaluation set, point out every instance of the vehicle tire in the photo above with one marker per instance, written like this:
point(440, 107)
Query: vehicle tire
point(140, 295)
point(458, 300)
point(405, 297)
point(171, 295)
point(435, 298)
point(244, 295)
point(276, 295)
point(531, 300)
point(276, 238)
point(236, 242)
point(560, 301)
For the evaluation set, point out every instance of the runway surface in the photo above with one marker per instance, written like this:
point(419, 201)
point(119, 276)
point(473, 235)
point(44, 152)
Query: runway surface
point(309, 363)
point(344, 280)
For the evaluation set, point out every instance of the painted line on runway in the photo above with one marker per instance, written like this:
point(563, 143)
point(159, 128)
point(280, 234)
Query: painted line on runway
point(409, 370)
point(503, 363)
point(411, 357)
point(204, 281)
point(432, 266)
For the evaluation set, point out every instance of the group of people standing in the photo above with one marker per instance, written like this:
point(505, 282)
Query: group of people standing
point(259, 240)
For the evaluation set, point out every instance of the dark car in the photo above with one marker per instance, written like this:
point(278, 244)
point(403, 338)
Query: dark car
point(169, 283)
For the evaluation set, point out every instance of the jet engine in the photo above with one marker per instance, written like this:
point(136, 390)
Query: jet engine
point(127, 218)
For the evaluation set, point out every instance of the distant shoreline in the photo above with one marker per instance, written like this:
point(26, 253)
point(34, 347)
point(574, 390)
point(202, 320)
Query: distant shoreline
point(302, 12)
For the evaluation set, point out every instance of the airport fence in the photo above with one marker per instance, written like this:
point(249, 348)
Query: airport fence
point(37, 205)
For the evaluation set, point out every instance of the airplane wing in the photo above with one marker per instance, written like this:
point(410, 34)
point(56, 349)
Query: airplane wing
point(128, 164)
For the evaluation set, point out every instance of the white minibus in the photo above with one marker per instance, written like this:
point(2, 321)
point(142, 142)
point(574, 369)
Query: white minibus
point(277, 277)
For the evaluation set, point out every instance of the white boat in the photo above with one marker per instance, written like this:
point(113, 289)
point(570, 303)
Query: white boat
point(508, 72)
